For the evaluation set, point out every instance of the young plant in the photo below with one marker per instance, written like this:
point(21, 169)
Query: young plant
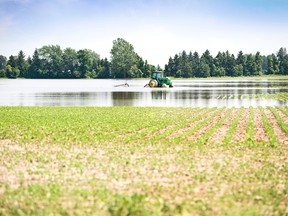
point(213, 129)
point(250, 127)
point(233, 127)
point(280, 121)
point(269, 129)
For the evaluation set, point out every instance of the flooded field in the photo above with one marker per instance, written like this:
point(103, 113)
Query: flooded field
point(186, 93)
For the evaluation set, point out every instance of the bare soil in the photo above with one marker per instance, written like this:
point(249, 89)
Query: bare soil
point(281, 135)
point(240, 133)
point(259, 129)
point(190, 126)
point(219, 135)
point(206, 127)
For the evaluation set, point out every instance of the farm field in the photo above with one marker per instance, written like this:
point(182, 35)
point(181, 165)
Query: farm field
point(143, 161)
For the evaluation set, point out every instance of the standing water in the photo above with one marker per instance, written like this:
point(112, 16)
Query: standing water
point(186, 93)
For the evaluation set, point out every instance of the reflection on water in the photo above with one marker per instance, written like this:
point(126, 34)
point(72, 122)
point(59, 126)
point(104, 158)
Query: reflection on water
point(186, 93)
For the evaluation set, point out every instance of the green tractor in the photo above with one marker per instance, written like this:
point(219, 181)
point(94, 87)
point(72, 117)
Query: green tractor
point(158, 80)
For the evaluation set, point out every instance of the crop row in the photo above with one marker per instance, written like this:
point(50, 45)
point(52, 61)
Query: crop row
point(126, 125)
point(143, 161)
point(281, 96)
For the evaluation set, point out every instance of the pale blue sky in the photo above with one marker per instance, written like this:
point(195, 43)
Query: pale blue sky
point(156, 29)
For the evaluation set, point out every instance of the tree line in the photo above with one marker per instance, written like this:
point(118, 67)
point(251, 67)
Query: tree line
point(226, 64)
point(50, 61)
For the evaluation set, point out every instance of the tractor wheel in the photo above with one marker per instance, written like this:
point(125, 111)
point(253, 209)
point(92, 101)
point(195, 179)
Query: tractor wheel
point(164, 86)
point(153, 83)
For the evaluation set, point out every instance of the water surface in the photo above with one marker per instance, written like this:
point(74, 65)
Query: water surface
point(186, 93)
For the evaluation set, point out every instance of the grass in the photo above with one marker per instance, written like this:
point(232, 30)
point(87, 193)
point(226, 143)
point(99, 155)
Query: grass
point(120, 161)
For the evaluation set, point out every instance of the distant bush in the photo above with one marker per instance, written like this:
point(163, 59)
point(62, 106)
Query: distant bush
point(2, 73)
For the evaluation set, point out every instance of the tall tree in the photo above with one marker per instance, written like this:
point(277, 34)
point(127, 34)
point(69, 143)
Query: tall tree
point(36, 67)
point(70, 63)
point(22, 64)
point(285, 65)
point(275, 64)
point(258, 63)
point(3, 62)
point(51, 57)
point(12, 61)
point(104, 70)
point(169, 67)
point(87, 59)
point(281, 55)
point(250, 66)
point(230, 64)
point(196, 64)
point(123, 58)
point(270, 67)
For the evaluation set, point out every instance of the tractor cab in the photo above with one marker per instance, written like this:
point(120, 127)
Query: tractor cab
point(157, 75)
point(158, 80)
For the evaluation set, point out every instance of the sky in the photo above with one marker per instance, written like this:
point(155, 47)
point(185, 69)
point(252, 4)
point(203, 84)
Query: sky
point(157, 29)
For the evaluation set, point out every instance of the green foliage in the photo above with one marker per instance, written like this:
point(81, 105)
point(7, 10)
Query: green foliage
point(225, 64)
point(125, 62)
point(230, 132)
point(22, 64)
point(250, 128)
point(269, 129)
point(51, 61)
point(280, 121)
point(12, 72)
point(2, 73)
point(3, 62)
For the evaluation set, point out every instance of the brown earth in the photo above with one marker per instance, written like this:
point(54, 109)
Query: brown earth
point(281, 135)
point(240, 133)
point(259, 129)
point(190, 116)
point(190, 126)
point(219, 135)
point(206, 127)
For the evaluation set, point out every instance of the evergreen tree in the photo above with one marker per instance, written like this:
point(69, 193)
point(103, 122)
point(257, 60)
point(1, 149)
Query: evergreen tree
point(258, 63)
point(270, 67)
point(207, 58)
point(230, 64)
point(275, 64)
point(36, 67)
point(196, 65)
point(281, 55)
point(12, 61)
point(22, 64)
point(285, 65)
point(104, 71)
point(176, 65)
point(241, 59)
point(3, 62)
point(169, 67)
point(204, 70)
point(250, 66)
